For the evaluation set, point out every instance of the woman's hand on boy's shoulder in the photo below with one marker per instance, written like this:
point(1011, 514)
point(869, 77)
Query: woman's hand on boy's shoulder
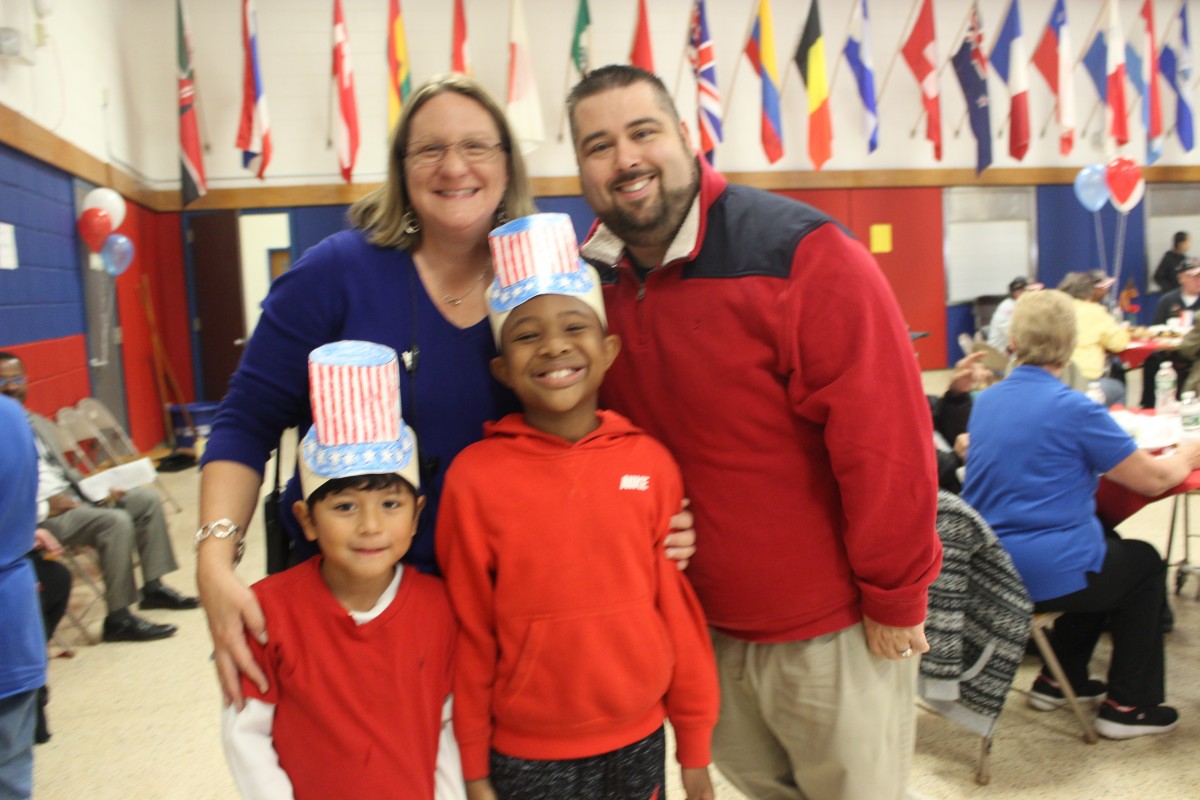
point(480, 790)
point(680, 543)
point(696, 783)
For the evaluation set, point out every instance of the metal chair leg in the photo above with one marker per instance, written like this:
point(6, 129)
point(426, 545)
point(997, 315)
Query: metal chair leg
point(1043, 644)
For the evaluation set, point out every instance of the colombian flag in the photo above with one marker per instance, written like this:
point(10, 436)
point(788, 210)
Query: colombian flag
point(399, 82)
point(760, 49)
point(810, 58)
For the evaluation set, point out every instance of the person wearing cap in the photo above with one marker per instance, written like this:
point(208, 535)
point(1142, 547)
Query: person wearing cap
point(1002, 316)
point(359, 661)
point(1167, 271)
point(578, 637)
point(1177, 303)
point(1097, 335)
point(761, 342)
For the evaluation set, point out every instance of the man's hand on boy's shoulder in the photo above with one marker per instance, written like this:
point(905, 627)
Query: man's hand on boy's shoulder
point(481, 790)
point(696, 783)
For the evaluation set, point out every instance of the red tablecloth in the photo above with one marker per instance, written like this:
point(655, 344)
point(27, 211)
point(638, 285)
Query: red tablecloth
point(1139, 350)
point(1115, 503)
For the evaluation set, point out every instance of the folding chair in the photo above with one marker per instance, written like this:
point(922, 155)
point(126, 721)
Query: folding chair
point(80, 440)
point(1184, 567)
point(113, 439)
point(84, 564)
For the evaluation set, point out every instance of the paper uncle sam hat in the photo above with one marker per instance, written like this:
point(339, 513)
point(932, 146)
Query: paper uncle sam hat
point(357, 428)
point(538, 255)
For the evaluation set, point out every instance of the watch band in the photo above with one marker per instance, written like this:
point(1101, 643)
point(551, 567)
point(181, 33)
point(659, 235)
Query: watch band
point(222, 529)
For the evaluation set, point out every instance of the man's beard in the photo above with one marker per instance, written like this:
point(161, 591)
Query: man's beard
point(658, 228)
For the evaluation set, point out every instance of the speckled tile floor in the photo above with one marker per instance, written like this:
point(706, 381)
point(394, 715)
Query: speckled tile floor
point(140, 720)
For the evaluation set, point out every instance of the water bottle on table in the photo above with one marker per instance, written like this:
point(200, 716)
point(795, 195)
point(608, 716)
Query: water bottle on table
point(1189, 417)
point(1165, 381)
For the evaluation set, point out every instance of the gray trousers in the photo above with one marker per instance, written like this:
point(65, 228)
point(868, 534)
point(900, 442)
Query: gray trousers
point(136, 522)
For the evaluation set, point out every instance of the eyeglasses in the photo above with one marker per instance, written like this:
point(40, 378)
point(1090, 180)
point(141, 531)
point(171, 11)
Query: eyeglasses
point(17, 380)
point(472, 152)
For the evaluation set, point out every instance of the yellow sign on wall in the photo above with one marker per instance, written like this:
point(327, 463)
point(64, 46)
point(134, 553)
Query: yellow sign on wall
point(881, 238)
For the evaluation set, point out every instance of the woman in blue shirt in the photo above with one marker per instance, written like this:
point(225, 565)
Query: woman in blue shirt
point(1037, 451)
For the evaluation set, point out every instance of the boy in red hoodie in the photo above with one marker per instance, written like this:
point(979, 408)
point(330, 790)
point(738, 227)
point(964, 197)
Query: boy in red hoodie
point(578, 637)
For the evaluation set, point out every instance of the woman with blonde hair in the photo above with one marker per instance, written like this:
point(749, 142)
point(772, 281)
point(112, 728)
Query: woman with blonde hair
point(1038, 449)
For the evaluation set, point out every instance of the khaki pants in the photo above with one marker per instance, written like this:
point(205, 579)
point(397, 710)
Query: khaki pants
point(821, 719)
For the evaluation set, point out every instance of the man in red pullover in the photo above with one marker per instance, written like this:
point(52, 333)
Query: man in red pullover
point(764, 347)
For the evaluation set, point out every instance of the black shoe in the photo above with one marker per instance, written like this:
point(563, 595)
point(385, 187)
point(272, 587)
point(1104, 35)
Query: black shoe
point(1047, 696)
point(163, 596)
point(129, 627)
point(41, 732)
point(1126, 722)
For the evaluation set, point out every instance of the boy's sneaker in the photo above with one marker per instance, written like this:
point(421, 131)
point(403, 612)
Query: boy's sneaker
point(1047, 696)
point(1126, 722)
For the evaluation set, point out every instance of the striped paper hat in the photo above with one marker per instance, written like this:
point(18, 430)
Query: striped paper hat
point(357, 428)
point(538, 255)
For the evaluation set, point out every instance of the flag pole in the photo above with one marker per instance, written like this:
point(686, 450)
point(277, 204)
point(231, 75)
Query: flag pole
point(887, 75)
point(737, 64)
point(938, 76)
point(562, 112)
point(332, 92)
point(687, 41)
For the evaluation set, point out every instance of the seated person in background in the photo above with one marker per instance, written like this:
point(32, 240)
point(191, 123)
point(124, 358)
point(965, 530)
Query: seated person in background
point(125, 521)
point(1168, 268)
point(1189, 351)
point(359, 659)
point(54, 592)
point(1170, 305)
point(950, 414)
point(1097, 334)
point(1002, 316)
point(1037, 452)
point(1185, 298)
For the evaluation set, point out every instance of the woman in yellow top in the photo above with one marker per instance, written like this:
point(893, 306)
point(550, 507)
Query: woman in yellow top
point(1097, 335)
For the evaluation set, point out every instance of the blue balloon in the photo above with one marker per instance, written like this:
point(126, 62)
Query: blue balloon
point(1091, 187)
point(116, 254)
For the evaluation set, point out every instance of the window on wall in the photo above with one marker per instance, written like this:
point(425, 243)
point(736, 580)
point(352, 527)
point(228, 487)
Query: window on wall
point(989, 239)
point(1169, 208)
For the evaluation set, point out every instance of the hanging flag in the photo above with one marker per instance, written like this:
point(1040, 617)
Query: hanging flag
point(524, 105)
point(970, 65)
point(760, 49)
point(460, 54)
point(920, 53)
point(858, 55)
point(1114, 71)
point(581, 42)
point(1095, 61)
point(346, 134)
point(254, 131)
point(193, 184)
point(1151, 96)
point(1011, 63)
point(704, 69)
point(810, 58)
point(1053, 59)
point(399, 81)
point(641, 55)
point(1175, 63)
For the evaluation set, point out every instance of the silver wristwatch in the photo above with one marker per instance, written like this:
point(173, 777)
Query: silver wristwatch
point(223, 529)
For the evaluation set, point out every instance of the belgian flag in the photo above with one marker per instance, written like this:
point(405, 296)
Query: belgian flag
point(810, 58)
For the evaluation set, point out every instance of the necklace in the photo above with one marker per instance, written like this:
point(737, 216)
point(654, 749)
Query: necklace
point(450, 299)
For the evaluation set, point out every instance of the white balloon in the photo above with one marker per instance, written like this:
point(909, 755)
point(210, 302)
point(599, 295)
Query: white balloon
point(108, 200)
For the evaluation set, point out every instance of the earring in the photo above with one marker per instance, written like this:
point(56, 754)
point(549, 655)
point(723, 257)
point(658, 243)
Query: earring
point(412, 225)
point(501, 214)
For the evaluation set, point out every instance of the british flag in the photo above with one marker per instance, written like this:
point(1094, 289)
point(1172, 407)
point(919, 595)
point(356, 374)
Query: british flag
point(704, 67)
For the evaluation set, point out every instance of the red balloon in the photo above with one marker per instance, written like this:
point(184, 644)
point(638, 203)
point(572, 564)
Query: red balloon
point(1124, 179)
point(94, 226)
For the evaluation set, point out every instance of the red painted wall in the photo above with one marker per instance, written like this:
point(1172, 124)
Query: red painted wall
point(57, 370)
point(914, 268)
point(158, 258)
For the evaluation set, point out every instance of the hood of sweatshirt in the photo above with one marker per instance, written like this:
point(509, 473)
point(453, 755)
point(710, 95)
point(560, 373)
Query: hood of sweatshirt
point(612, 429)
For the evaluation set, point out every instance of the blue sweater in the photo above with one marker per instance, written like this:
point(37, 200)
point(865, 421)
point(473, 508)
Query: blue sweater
point(1037, 451)
point(346, 288)
point(22, 642)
